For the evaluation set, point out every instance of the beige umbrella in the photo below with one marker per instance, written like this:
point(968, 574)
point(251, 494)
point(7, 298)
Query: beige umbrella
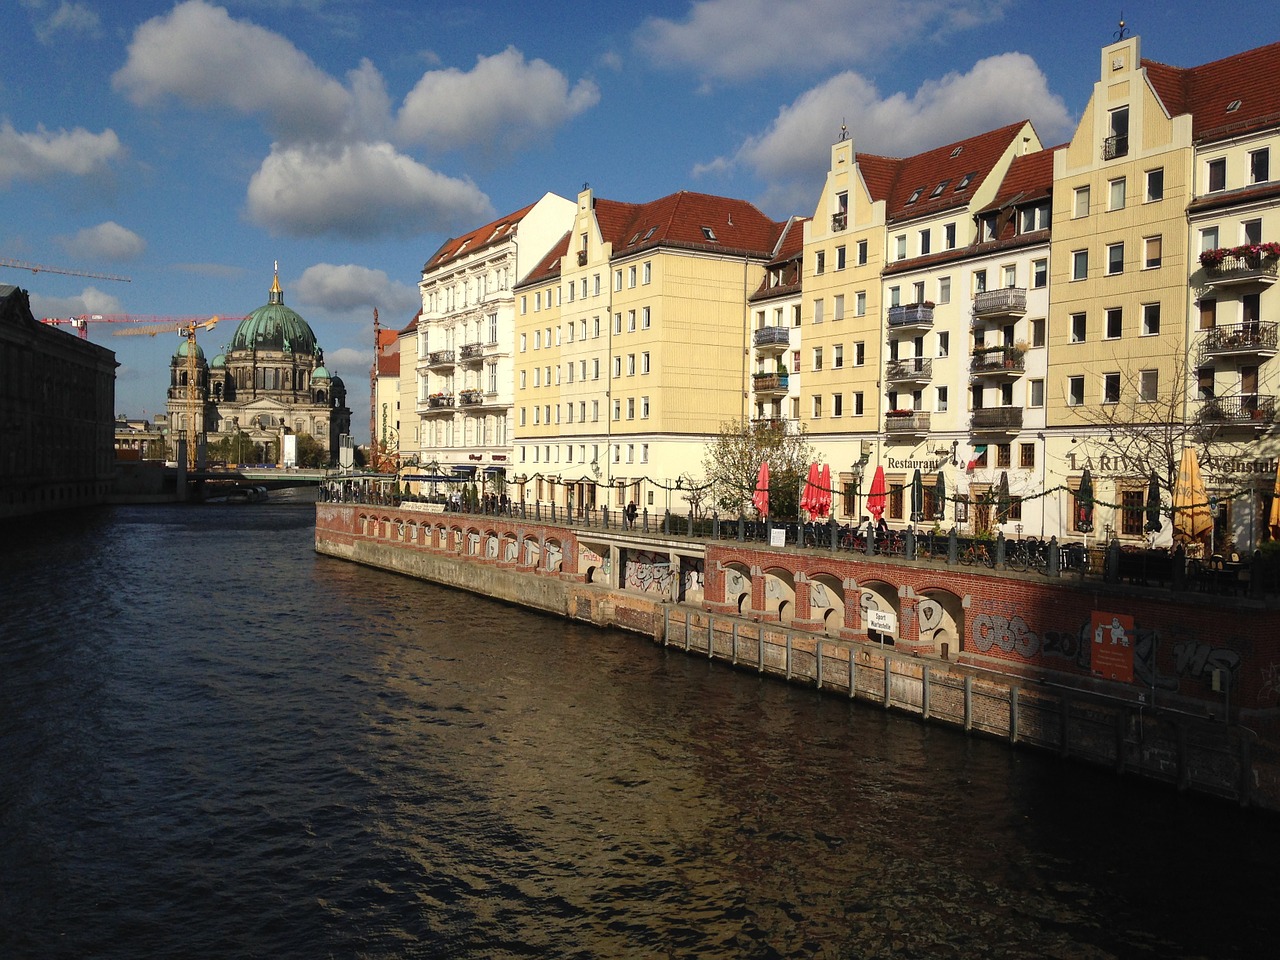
point(1191, 517)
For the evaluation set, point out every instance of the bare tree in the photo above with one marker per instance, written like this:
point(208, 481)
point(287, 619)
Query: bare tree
point(732, 464)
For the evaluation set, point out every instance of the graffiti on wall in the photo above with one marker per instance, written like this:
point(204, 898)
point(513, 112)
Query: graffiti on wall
point(491, 547)
point(554, 555)
point(513, 551)
point(649, 572)
point(691, 576)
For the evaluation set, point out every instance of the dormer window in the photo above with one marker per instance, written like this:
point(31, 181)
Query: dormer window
point(937, 191)
point(915, 195)
point(956, 152)
point(964, 181)
point(708, 233)
point(1233, 106)
point(649, 233)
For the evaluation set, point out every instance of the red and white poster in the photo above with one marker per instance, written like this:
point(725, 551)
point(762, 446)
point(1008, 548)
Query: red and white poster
point(1112, 654)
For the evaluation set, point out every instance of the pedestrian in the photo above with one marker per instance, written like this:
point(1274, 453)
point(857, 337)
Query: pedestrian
point(631, 513)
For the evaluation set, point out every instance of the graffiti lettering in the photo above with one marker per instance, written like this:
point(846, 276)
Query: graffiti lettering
point(1012, 635)
point(1195, 659)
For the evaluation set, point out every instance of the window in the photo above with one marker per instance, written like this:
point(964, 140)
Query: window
point(1251, 231)
point(1077, 328)
point(917, 292)
point(1148, 385)
point(837, 356)
point(862, 252)
point(1080, 203)
point(796, 311)
point(1111, 388)
point(895, 296)
point(1117, 144)
point(857, 403)
point(817, 406)
point(1039, 273)
point(859, 353)
point(817, 311)
point(1155, 185)
point(979, 281)
point(1035, 393)
point(524, 342)
point(1004, 455)
point(900, 247)
point(1115, 259)
point(595, 286)
point(1216, 174)
point(1026, 455)
point(1009, 276)
point(1115, 323)
point(860, 303)
point(820, 262)
point(631, 276)
point(1152, 252)
point(617, 323)
point(1204, 383)
point(840, 258)
point(837, 405)
point(1035, 218)
point(648, 272)
point(1115, 194)
point(915, 195)
point(1075, 391)
point(944, 289)
point(924, 242)
point(1150, 319)
point(644, 363)
point(837, 308)
point(524, 379)
point(631, 364)
point(631, 410)
point(940, 404)
point(1260, 166)
point(617, 366)
point(617, 279)
point(795, 361)
point(944, 343)
point(595, 327)
point(1037, 332)
point(631, 321)
point(617, 410)
point(1079, 264)
point(595, 368)
point(817, 358)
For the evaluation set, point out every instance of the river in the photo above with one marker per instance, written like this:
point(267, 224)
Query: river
point(216, 743)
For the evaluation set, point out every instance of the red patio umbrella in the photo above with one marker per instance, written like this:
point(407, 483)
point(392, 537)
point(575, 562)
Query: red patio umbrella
point(876, 495)
point(823, 501)
point(810, 491)
point(761, 496)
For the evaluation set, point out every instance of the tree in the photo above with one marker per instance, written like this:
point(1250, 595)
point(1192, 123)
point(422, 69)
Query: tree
point(732, 463)
point(309, 452)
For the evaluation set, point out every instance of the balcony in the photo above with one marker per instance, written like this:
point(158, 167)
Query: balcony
point(777, 337)
point(998, 362)
point(1245, 340)
point(469, 398)
point(764, 383)
point(440, 358)
point(1245, 410)
point(1113, 148)
point(911, 316)
point(996, 420)
point(906, 423)
point(439, 402)
point(1005, 302)
point(1233, 269)
point(582, 258)
point(471, 352)
point(911, 370)
point(775, 424)
point(839, 221)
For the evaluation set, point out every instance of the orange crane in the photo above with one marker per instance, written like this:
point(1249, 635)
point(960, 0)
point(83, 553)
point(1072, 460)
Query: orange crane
point(42, 268)
point(185, 327)
point(81, 323)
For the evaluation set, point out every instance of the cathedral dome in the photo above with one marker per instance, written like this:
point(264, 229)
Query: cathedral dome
point(319, 373)
point(274, 327)
point(181, 353)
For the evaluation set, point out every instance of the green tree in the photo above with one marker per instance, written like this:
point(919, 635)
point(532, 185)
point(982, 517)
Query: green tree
point(309, 452)
point(732, 464)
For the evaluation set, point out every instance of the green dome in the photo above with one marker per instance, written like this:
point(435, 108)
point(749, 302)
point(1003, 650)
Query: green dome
point(274, 327)
point(319, 373)
point(218, 362)
point(182, 351)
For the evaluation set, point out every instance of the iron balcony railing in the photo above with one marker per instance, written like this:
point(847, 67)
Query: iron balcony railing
point(770, 336)
point(911, 315)
point(469, 398)
point(996, 418)
point(438, 357)
point(911, 369)
point(1007, 301)
point(1248, 408)
point(1004, 359)
point(1243, 269)
point(471, 351)
point(1250, 337)
point(906, 424)
point(770, 382)
point(436, 403)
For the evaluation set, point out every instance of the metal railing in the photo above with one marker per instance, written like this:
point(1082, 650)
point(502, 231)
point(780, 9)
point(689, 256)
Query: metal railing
point(1006, 300)
point(911, 314)
point(770, 336)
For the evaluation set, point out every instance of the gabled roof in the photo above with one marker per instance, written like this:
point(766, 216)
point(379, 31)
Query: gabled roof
point(1029, 178)
point(699, 221)
point(477, 239)
point(1208, 92)
point(939, 179)
point(788, 254)
point(548, 267)
point(791, 243)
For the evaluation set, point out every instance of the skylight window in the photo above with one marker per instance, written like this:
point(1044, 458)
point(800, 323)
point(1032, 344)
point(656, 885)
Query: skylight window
point(964, 181)
point(915, 196)
point(633, 240)
point(956, 152)
point(937, 191)
point(650, 232)
point(1233, 106)
point(708, 233)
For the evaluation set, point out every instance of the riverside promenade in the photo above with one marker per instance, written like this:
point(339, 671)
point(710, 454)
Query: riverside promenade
point(1011, 655)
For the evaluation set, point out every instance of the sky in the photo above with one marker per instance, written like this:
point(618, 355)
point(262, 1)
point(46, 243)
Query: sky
point(190, 146)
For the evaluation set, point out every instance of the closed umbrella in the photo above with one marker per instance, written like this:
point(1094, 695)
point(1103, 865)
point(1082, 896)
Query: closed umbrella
point(823, 500)
point(940, 498)
point(809, 492)
point(876, 495)
point(1002, 498)
point(761, 496)
point(1153, 503)
point(1084, 503)
point(917, 497)
point(1274, 520)
point(1191, 516)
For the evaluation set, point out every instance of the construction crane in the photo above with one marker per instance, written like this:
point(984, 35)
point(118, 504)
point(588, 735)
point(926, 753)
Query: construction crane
point(42, 268)
point(81, 323)
point(185, 327)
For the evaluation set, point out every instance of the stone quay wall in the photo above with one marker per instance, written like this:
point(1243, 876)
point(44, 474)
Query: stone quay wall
point(1003, 655)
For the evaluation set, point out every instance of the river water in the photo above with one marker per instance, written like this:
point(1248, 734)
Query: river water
point(215, 743)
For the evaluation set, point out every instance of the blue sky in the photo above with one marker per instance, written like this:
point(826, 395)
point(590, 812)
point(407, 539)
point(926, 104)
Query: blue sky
point(191, 145)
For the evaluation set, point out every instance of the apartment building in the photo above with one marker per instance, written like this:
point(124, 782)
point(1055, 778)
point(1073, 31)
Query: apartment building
point(464, 371)
point(644, 354)
point(776, 333)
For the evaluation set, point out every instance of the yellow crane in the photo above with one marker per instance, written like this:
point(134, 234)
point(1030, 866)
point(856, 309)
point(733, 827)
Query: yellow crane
point(185, 328)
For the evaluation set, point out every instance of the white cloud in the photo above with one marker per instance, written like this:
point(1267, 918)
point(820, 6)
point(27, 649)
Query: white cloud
point(733, 40)
point(108, 241)
point(358, 190)
point(67, 18)
point(504, 102)
point(347, 362)
point(346, 288)
point(796, 148)
point(90, 300)
point(200, 55)
point(34, 156)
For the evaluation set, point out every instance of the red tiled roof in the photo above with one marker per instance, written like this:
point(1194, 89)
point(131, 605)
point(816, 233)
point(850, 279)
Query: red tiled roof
point(701, 221)
point(1029, 178)
point(612, 218)
point(1206, 92)
point(792, 241)
point(949, 165)
point(477, 239)
point(389, 364)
